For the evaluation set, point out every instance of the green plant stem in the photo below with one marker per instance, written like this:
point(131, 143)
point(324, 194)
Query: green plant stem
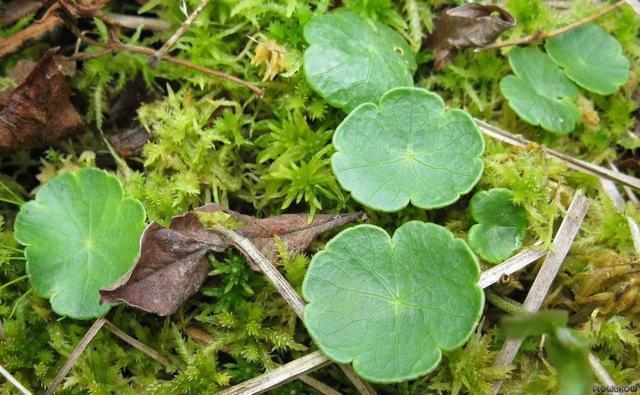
point(539, 35)
point(15, 280)
point(13, 194)
point(415, 25)
point(6, 247)
point(20, 299)
point(10, 201)
point(505, 304)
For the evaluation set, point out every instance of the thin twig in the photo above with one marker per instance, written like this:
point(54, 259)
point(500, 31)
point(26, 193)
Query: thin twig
point(511, 265)
point(286, 291)
point(630, 194)
point(574, 163)
point(21, 388)
point(32, 33)
point(91, 333)
point(134, 22)
point(612, 192)
point(544, 35)
point(600, 372)
point(561, 244)
point(119, 46)
point(168, 45)
point(89, 55)
point(137, 344)
point(279, 376)
point(318, 385)
point(273, 275)
point(635, 4)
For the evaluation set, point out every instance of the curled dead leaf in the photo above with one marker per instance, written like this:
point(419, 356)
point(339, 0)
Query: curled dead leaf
point(39, 111)
point(469, 26)
point(171, 267)
point(173, 261)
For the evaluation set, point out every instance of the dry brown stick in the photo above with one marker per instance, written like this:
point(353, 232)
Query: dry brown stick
point(630, 194)
point(18, 9)
point(119, 46)
point(134, 22)
point(286, 291)
point(512, 265)
point(280, 375)
point(137, 344)
point(21, 388)
point(544, 35)
point(33, 32)
point(635, 4)
point(574, 163)
point(552, 262)
point(168, 45)
point(91, 333)
point(619, 203)
point(318, 385)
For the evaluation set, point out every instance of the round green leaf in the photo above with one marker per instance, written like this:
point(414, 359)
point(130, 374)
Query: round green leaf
point(592, 58)
point(500, 227)
point(81, 234)
point(407, 149)
point(392, 305)
point(539, 93)
point(351, 61)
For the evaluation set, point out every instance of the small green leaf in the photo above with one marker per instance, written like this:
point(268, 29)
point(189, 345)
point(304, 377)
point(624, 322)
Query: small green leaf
point(569, 355)
point(534, 324)
point(391, 305)
point(81, 234)
point(500, 227)
point(592, 58)
point(407, 149)
point(351, 61)
point(539, 93)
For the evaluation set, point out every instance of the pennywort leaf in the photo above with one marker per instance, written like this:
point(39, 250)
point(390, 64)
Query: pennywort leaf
point(568, 352)
point(81, 234)
point(392, 305)
point(351, 61)
point(539, 93)
point(534, 324)
point(501, 225)
point(591, 58)
point(407, 149)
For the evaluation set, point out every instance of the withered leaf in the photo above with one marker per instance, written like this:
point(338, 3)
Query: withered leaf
point(173, 261)
point(469, 26)
point(172, 266)
point(294, 230)
point(39, 111)
point(130, 142)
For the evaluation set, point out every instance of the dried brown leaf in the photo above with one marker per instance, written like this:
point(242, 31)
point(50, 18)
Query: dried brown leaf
point(469, 26)
point(130, 142)
point(173, 261)
point(172, 266)
point(294, 230)
point(39, 111)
